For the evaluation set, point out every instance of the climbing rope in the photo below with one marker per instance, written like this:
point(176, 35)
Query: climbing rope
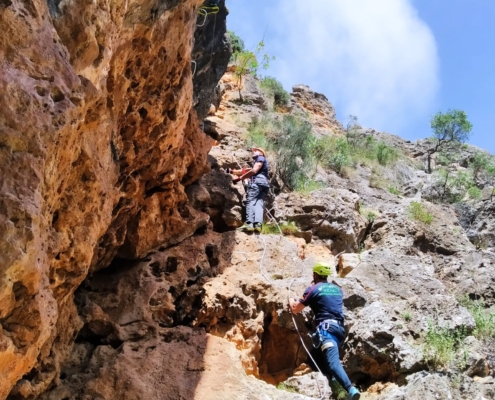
point(262, 258)
point(305, 348)
point(205, 10)
point(195, 66)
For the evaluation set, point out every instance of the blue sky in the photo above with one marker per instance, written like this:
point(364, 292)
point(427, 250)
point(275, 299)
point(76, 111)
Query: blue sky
point(393, 63)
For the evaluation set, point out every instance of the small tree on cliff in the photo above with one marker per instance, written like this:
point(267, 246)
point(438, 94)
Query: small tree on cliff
point(449, 129)
point(246, 62)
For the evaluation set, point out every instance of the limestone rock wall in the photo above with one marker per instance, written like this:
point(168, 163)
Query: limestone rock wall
point(98, 140)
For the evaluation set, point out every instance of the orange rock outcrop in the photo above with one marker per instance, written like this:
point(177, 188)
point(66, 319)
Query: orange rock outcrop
point(97, 141)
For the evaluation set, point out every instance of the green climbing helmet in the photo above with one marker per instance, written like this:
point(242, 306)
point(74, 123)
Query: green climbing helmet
point(322, 268)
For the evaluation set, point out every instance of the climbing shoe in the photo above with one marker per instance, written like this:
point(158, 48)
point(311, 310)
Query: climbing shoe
point(353, 394)
point(257, 228)
point(246, 228)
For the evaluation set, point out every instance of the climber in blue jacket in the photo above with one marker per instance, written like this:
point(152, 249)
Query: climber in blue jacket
point(326, 301)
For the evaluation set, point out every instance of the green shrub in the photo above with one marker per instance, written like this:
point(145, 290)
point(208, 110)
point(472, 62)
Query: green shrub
point(258, 129)
point(339, 155)
point(441, 345)
point(275, 89)
point(270, 229)
point(417, 212)
point(394, 190)
point(236, 43)
point(484, 319)
point(385, 154)
point(474, 192)
point(451, 186)
point(292, 148)
point(369, 214)
point(481, 162)
point(407, 315)
point(289, 137)
point(287, 228)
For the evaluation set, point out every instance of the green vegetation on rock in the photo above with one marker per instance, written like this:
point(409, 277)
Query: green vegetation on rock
point(236, 43)
point(273, 88)
point(287, 228)
point(247, 62)
point(450, 129)
point(417, 212)
point(441, 345)
point(283, 386)
point(289, 138)
point(483, 317)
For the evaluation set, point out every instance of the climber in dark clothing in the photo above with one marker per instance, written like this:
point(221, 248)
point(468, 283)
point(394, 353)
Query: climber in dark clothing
point(256, 190)
point(326, 301)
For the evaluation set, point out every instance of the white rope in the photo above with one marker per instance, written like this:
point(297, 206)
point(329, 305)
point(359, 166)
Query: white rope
point(205, 13)
point(262, 257)
point(305, 348)
point(194, 72)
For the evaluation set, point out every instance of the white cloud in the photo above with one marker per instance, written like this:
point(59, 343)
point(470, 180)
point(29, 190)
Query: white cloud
point(373, 58)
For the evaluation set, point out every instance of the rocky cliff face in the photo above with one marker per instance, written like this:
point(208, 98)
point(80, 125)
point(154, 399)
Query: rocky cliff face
point(121, 274)
point(98, 141)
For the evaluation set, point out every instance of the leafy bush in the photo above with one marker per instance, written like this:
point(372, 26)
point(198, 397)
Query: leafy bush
point(275, 89)
point(270, 229)
point(452, 186)
point(236, 43)
point(355, 148)
point(407, 315)
point(292, 147)
point(441, 345)
point(385, 154)
point(262, 131)
point(481, 162)
point(287, 228)
point(369, 214)
point(474, 192)
point(289, 137)
point(394, 190)
point(417, 212)
point(484, 319)
point(340, 155)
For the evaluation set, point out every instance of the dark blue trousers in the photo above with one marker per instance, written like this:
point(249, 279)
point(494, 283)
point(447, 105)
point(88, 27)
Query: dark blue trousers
point(334, 337)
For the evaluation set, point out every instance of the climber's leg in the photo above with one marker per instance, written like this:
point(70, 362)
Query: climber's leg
point(259, 204)
point(252, 193)
point(332, 358)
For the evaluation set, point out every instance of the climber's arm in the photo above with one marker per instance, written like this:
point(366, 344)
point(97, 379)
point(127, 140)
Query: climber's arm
point(296, 306)
point(252, 172)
